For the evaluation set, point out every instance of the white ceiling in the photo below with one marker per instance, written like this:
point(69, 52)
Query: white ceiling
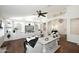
point(25, 10)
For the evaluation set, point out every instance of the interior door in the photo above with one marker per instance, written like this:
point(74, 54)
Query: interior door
point(74, 30)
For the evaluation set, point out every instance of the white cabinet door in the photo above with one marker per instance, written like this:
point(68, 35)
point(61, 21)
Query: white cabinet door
point(51, 46)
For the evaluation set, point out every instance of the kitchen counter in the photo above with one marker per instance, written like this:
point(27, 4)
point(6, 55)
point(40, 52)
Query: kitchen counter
point(48, 39)
point(44, 46)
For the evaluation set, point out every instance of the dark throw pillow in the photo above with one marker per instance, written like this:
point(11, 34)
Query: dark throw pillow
point(33, 42)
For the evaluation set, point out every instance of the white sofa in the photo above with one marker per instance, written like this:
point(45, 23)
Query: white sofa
point(37, 48)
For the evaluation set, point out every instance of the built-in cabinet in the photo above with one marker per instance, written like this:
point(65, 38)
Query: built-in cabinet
point(50, 45)
point(21, 28)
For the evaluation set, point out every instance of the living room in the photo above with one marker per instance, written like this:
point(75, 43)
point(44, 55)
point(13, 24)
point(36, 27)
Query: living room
point(51, 25)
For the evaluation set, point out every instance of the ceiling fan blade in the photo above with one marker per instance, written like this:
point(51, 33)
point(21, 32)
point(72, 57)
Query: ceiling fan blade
point(44, 13)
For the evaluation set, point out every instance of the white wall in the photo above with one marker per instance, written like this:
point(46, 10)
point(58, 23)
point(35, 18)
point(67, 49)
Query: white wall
point(72, 11)
point(62, 28)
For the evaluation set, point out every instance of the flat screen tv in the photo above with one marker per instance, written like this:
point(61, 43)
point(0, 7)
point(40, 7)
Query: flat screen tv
point(29, 28)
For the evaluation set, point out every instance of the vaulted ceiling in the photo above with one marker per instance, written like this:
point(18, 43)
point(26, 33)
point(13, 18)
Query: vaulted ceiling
point(26, 10)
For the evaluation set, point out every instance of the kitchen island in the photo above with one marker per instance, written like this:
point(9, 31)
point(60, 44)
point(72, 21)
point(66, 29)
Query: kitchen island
point(45, 45)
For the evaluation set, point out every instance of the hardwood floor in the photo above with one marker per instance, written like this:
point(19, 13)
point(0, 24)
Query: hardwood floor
point(17, 46)
point(67, 47)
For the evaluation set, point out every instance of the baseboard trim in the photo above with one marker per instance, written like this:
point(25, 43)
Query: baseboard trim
point(73, 43)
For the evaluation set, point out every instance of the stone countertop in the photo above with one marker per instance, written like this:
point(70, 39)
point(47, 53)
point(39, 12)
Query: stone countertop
point(46, 40)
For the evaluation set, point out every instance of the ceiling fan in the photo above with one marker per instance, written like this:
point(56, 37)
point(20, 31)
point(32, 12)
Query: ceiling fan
point(40, 13)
